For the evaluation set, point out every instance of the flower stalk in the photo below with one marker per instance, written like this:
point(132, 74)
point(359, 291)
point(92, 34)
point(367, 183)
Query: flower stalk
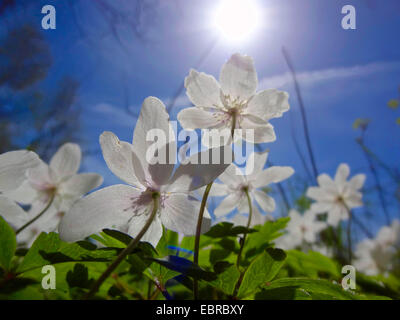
point(125, 252)
point(197, 238)
point(243, 240)
point(41, 213)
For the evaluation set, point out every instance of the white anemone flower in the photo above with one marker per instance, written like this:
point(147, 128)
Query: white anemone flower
point(337, 196)
point(13, 166)
point(233, 102)
point(380, 255)
point(58, 182)
point(235, 185)
point(302, 230)
point(128, 207)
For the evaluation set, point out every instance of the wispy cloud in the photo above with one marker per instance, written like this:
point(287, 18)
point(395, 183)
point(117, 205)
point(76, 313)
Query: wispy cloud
point(310, 78)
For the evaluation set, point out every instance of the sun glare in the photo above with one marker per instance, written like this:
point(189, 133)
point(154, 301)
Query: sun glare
point(237, 20)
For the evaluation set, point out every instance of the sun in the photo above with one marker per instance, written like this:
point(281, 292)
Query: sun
point(237, 20)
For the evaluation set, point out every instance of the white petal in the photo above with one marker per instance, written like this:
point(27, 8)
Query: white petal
point(238, 77)
point(80, 184)
point(354, 200)
point(342, 174)
point(268, 104)
point(13, 166)
point(327, 183)
point(218, 190)
point(194, 118)
point(24, 194)
point(118, 156)
point(266, 202)
point(228, 204)
point(41, 177)
point(11, 212)
point(202, 168)
point(320, 194)
point(152, 235)
point(357, 181)
point(231, 178)
point(321, 207)
point(336, 214)
point(153, 118)
point(66, 160)
point(180, 212)
point(106, 208)
point(202, 89)
point(255, 163)
point(263, 132)
point(272, 175)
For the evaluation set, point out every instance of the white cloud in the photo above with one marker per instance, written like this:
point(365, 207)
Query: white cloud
point(313, 77)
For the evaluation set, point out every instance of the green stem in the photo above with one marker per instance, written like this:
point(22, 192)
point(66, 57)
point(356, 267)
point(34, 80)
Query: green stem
point(200, 220)
point(243, 240)
point(125, 252)
point(26, 225)
point(197, 238)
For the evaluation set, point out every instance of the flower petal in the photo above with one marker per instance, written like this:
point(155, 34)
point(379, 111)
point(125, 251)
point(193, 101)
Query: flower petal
point(263, 132)
point(11, 212)
point(202, 89)
point(327, 183)
point(152, 235)
point(153, 122)
point(66, 160)
point(228, 204)
point(118, 156)
point(13, 166)
point(231, 178)
point(357, 181)
point(179, 213)
point(272, 175)
point(24, 194)
point(197, 118)
point(202, 168)
point(255, 164)
point(266, 202)
point(320, 194)
point(80, 184)
point(268, 104)
point(342, 174)
point(106, 208)
point(238, 77)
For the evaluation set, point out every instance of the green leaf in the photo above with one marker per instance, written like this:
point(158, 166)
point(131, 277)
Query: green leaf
point(263, 269)
point(8, 244)
point(226, 229)
point(49, 249)
point(398, 121)
point(227, 277)
point(312, 264)
point(79, 277)
point(321, 289)
point(258, 241)
point(393, 104)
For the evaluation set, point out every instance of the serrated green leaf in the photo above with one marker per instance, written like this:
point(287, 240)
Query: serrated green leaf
point(227, 277)
point(258, 241)
point(49, 249)
point(324, 288)
point(8, 244)
point(263, 269)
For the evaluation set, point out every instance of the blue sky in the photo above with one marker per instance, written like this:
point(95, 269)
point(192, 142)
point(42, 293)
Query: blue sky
point(343, 74)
